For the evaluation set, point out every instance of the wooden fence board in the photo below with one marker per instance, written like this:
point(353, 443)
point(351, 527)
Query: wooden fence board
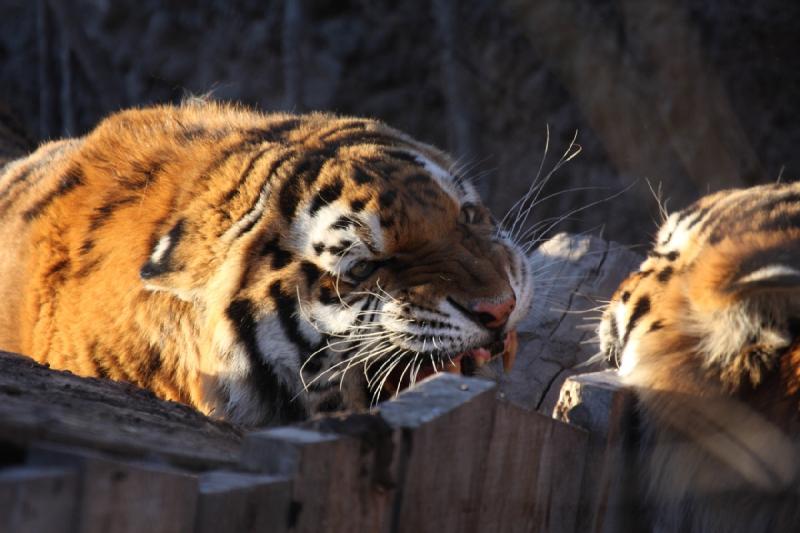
point(533, 473)
point(232, 502)
point(333, 478)
point(37, 499)
point(601, 404)
point(125, 497)
point(443, 428)
point(38, 404)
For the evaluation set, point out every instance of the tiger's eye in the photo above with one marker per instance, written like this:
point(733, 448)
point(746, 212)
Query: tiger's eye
point(362, 270)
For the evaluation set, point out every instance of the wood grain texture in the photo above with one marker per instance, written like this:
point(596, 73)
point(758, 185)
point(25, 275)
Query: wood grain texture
point(42, 405)
point(234, 502)
point(574, 275)
point(116, 496)
point(37, 499)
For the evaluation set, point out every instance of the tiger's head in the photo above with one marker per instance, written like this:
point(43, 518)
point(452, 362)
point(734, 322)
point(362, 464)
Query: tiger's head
point(719, 286)
point(342, 262)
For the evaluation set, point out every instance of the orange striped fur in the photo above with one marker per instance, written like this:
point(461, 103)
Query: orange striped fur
point(216, 256)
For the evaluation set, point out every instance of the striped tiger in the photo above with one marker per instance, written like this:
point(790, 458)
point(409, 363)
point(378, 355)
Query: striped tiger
point(708, 333)
point(259, 267)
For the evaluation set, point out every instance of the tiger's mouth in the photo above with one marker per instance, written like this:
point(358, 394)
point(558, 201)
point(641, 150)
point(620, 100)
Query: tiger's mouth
point(465, 363)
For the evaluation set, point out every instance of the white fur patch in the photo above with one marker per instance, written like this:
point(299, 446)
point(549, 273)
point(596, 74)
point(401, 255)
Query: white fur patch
point(161, 248)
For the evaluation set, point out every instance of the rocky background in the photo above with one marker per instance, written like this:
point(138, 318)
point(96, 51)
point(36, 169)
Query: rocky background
point(678, 96)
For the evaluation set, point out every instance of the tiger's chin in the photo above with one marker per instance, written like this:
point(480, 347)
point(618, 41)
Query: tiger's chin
point(466, 363)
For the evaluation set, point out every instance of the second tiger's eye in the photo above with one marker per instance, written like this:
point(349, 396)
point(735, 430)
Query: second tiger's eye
point(362, 270)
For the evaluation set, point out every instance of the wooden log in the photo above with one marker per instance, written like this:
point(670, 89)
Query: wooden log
point(575, 275)
point(42, 405)
point(340, 482)
point(117, 496)
point(601, 404)
point(37, 499)
point(233, 502)
point(533, 473)
point(443, 428)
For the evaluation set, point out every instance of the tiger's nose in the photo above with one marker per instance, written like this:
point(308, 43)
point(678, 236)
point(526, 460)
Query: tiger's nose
point(494, 315)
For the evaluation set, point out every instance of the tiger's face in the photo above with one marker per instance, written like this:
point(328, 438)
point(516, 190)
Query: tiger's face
point(363, 267)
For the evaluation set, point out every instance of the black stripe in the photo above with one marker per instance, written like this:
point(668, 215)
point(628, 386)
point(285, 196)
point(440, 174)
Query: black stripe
point(358, 205)
point(288, 198)
point(144, 172)
point(274, 395)
point(101, 214)
point(700, 216)
point(340, 130)
point(234, 191)
point(274, 132)
point(387, 198)
point(311, 272)
point(280, 257)
point(326, 195)
point(641, 308)
point(88, 268)
point(665, 275)
point(361, 177)
point(87, 246)
point(782, 222)
point(58, 268)
point(71, 179)
point(310, 169)
point(100, 367)
point(23, 175)
point(327, 296)
point(149, 365)
point(287, 310)
point(404, 156)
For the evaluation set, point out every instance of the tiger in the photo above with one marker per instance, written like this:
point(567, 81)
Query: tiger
point(707, 332)
point(259, 267)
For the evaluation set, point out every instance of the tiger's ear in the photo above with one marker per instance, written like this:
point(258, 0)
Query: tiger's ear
point(768, 277)
point(773, 267)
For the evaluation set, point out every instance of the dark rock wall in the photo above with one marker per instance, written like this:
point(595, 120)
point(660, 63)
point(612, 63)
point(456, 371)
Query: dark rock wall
point(689, 94)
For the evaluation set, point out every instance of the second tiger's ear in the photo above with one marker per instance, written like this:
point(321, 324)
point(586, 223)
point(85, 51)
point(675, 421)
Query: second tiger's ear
point(771, 267)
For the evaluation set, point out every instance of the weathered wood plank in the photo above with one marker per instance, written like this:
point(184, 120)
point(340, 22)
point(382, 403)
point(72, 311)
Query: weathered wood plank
point(575, 275)
point(117, 496)
point(232, 502)
point(37, 499)
point(442, 440)
point(601, 404)
point(38, 404)
point(533, 473)
point(339, 482)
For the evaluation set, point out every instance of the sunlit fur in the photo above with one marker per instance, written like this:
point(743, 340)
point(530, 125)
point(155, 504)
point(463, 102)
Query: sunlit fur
point(707, 333)
point(212, 254)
